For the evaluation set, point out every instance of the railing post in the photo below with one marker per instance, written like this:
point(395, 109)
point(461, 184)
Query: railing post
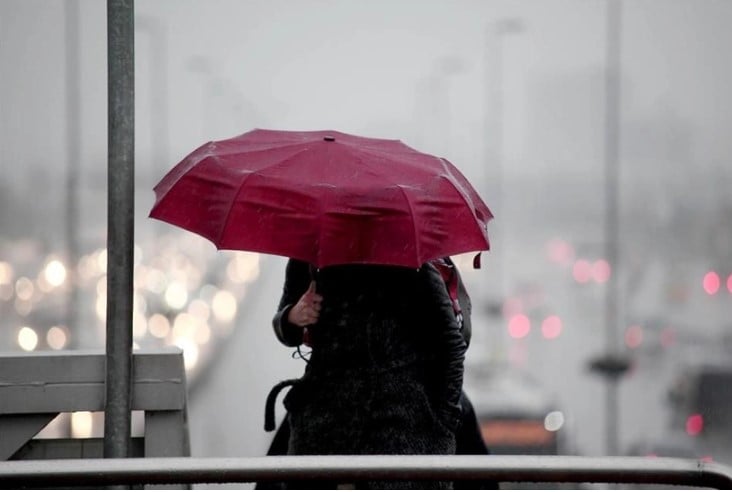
point(120, 224)
point(35, 387)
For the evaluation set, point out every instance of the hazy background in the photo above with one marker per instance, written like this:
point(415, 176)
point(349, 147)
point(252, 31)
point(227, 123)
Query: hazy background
point(512, 92)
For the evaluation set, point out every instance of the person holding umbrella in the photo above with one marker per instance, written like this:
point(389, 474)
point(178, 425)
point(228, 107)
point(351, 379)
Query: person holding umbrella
point(291, 327)
point(386, 367)
point(362, 217)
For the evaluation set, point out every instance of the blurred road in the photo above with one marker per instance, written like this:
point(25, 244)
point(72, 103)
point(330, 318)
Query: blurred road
point(226, 406)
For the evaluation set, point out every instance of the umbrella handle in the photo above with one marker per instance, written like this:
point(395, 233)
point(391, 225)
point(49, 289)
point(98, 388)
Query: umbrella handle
point(314, 274)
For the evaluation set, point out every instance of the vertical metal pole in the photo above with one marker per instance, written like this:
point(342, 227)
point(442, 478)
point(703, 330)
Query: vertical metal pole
point(494, 127)
point(73, 157)
point(612, 221)
point(498, 239)
point(120, 223)
point(493, 184)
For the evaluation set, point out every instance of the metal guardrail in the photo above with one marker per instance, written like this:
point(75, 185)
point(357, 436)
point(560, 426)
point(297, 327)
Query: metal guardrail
point(562, 469)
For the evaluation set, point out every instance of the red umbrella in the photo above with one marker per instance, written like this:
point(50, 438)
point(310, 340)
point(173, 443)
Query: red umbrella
point(324, 197)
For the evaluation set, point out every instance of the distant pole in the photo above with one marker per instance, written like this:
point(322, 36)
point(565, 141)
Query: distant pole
point(159, 114)
point(73, 157)
point(158, 83)
point(494, 127)
point(120, 225)
point(445, 67)
point(612, 221)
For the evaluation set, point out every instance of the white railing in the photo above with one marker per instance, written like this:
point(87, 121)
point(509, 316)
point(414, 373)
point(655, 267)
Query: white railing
point(345, 469)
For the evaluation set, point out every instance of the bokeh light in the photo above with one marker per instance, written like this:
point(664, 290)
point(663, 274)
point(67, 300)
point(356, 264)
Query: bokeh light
point(560, 251)
point(711, 283)
point(100, 307)
point(6, 273)
point(519, 326)
point(24, 289)
point(57, 337)
point(55, 273)
point(176, 295)
point(27, 338)
point(199, 309)
point(158, 326)
point(101, 260)
point(190, 352)
point(601, 271)
point(184, 327)
point(554, 421)
point(203, 333)
point(243, 267)
point(102, 286)
point(223, 306)
point(551, 327)
point(694, 424)
point(633, 336)
point(139, 324)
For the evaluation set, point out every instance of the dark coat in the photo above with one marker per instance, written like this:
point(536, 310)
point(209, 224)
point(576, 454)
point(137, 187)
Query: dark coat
point(385, 372)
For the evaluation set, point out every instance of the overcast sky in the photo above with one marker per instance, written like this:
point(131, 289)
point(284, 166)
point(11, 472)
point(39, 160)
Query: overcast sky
point(368, 67)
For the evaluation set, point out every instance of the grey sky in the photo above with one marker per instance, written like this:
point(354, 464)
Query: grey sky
point(357, 66)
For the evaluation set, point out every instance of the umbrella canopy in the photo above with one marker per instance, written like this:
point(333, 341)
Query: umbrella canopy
point(324, 197)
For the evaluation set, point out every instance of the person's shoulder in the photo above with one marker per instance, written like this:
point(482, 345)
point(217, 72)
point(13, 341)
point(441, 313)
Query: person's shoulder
point(430, 273)
point(295, 264)
point(297, 270)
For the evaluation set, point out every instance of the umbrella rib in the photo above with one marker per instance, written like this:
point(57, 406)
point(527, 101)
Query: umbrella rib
point(265, 147)
point(321, 213)
point(467, 202)
point(414, 222)
point(249, 174)
point(455, 181)
point(402, 157)
point(459, 188)
point(231, 205)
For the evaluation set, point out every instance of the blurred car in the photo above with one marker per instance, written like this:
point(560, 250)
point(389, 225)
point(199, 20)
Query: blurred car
point(515, 413)
point(670, 445)
point(701, 402)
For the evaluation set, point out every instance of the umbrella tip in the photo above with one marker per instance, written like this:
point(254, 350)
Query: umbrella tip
point(329, 138)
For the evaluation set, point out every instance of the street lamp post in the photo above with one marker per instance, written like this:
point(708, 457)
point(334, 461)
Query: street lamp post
point(612, 365)
point(434, 98)
point(494, 133)
point(158, 96)
point(73, 158)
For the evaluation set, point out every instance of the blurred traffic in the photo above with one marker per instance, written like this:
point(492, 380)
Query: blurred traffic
point(186, 294)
